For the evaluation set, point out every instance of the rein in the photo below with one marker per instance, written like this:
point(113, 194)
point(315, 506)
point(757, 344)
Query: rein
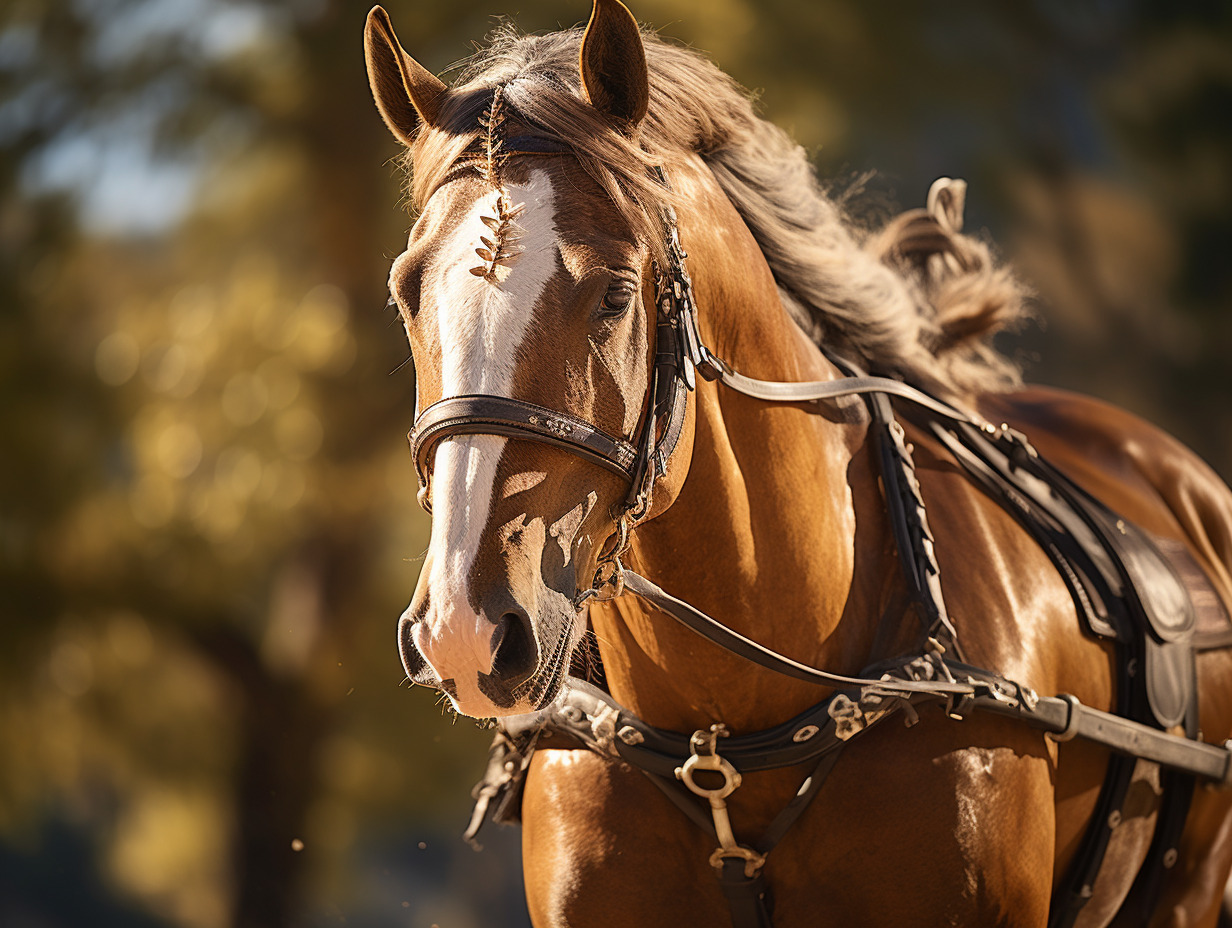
point(585, 715)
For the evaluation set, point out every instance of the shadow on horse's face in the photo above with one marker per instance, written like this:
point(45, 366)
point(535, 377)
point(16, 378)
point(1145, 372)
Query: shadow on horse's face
point(518, 525)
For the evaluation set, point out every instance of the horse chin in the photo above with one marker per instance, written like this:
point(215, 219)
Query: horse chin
point(482, 700)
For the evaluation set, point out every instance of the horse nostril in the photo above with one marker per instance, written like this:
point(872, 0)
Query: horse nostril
point(514, 655)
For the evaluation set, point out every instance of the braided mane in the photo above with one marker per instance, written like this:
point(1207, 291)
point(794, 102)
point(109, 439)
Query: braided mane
point(499, 250)
point(916, 300)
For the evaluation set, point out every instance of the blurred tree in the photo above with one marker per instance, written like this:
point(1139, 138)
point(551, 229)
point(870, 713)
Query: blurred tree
point(197, 529)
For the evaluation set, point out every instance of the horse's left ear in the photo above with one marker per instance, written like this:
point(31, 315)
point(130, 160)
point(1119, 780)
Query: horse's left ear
point(613, 64)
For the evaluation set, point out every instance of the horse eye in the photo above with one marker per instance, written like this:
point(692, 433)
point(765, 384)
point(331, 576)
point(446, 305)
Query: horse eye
point(617, 299)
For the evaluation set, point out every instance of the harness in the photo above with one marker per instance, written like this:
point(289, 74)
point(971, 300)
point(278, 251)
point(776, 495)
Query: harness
point(1124, 589)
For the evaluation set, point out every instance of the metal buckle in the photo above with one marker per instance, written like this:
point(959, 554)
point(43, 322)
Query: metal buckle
point(705, 756)
point(610, 572)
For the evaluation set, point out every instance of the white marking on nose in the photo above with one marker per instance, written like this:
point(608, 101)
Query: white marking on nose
point(481, 327)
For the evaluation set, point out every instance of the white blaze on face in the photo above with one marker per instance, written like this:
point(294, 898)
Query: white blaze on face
point(482, 325)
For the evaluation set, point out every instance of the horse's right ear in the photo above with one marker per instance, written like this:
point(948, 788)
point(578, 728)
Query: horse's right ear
point(405, 91)
point(613, 64)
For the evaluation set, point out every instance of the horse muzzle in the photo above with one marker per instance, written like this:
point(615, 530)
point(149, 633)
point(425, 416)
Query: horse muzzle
point(486, 668)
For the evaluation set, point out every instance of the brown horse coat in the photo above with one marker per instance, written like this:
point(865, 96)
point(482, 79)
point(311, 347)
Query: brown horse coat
point(769, 516)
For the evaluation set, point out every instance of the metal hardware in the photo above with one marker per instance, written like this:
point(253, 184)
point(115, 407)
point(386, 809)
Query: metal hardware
point(959, 707)
point(1071, 723)
point(609, 573)
point(552, 424)
point(705, 756)
point(630, 735)
point(1029, 697)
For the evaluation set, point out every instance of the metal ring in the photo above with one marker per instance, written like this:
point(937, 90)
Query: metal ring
point(716, 764)
point(610, 572)
point(752, 860)
point(1071, 723)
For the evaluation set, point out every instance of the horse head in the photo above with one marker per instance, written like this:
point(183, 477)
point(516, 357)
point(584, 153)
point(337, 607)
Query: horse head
point(524, 279)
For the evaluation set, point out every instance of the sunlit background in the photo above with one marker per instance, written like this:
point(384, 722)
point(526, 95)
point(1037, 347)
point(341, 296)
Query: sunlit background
point(207, 514)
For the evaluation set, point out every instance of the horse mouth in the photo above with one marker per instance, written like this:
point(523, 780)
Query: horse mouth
point(551, 687)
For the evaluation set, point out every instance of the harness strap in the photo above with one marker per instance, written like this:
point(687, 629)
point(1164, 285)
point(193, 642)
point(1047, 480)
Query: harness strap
point(809, 391)
point(715, 631)
point(1068, 718)
point(913, 538)
point(497, 415)
point(746, 895)
point(1061, 715)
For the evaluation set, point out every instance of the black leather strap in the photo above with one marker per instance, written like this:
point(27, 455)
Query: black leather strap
point(746, 895)
point(495, 415)
point(715, 631)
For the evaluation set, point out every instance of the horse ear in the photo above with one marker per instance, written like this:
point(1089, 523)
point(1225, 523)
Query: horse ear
point(613, 63)
point(405, 91)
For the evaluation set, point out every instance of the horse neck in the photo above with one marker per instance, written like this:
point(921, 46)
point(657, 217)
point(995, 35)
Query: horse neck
point(763, 533)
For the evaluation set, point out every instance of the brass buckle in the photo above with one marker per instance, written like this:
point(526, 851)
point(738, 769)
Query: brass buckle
point(610, 572)
point(705, 756)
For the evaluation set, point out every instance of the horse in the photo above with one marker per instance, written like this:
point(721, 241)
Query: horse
point(533, 290)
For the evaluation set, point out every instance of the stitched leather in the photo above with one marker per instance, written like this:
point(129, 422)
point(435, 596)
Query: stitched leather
point(495, 415)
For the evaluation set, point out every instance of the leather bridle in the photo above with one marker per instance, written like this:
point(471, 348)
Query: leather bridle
point(641, 459)
point(680, 355)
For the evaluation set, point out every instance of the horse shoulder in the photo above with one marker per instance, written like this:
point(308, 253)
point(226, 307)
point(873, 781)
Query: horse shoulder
point(589, 825)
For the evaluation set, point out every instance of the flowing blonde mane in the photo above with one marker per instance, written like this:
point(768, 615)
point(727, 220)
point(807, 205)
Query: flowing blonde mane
point(916, 300)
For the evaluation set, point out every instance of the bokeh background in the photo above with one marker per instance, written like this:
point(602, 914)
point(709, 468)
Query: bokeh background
point(207, 517)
